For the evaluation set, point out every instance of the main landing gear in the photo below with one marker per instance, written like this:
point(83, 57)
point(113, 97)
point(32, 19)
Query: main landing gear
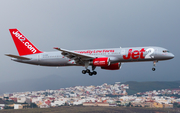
point(88, 71)
point(154, 64)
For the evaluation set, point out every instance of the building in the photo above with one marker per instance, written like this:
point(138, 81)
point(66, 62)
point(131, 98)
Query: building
point(102, 104)
point(88, 104)
point(157, 105)
point(95, 104)
point(23, 100)
point(167, 105)
point(18, 106)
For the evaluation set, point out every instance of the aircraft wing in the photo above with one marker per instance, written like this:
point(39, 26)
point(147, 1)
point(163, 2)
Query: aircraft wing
point(18, 57)
point(79, 58)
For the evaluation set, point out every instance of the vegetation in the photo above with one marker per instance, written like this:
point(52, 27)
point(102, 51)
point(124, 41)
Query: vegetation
point(8, 107)
point(2, 102)
point(32, 105)
point(10, 102)
point(129, 105)
point(176, 105)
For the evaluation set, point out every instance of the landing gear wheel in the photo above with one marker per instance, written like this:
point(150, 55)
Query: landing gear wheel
point(84, 71)
point(94, 72)
point(88, 71)
point(153, 69)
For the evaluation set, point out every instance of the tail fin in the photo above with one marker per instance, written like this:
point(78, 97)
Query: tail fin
point(23, 45)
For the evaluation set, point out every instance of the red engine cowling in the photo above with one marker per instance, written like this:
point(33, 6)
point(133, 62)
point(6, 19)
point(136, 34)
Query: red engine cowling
point(115, 66)
point(104, 61)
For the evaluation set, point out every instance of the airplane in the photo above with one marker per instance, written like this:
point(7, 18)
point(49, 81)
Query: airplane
point(108, 59)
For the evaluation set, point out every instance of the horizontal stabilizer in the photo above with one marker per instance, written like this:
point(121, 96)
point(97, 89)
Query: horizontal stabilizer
point(18, 57)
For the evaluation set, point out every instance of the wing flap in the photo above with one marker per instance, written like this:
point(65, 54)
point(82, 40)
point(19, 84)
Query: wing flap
point(79, 58)
point(18, 57)
point(69, 54)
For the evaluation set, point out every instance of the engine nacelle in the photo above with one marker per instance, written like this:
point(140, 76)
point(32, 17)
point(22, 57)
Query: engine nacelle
point(104, 61)
point(115, 66)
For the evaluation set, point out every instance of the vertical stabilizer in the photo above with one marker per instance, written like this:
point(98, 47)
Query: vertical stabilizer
point(23, 45)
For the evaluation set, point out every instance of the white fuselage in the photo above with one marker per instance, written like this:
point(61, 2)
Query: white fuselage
point(130, 54)
point(109, 59)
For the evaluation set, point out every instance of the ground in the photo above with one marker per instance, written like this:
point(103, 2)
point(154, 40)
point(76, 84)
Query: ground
point(81, 109)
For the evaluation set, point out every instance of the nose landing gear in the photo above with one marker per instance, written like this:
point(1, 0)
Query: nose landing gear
point(154, 64)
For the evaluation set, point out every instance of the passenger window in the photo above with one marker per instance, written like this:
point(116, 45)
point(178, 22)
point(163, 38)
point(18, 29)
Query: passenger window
point(165, 51)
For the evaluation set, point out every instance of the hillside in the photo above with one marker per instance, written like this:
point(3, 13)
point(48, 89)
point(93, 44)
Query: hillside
point(135, 87)
point(55, 82)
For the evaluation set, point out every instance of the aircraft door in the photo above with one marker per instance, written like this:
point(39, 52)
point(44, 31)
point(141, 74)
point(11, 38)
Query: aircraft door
point(39, 57)
point(123, 52)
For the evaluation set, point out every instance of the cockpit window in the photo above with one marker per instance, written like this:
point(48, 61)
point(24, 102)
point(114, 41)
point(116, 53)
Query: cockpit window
point(165, 51)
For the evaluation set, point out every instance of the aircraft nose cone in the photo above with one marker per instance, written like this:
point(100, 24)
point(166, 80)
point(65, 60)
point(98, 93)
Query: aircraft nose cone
point(171, 56)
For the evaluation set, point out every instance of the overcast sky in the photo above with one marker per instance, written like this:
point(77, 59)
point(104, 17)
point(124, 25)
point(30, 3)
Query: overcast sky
point(91, 24)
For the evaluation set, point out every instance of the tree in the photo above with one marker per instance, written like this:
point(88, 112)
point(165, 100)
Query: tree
point(33, 105)
point(128, 105)
point(8, 107)
point(118, 103)
point(176, 105)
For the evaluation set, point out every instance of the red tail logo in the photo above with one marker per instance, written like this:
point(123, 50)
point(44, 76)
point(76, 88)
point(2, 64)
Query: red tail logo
point(23, 45)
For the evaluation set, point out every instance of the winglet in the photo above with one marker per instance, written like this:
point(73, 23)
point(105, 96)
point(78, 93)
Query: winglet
point(57, 48)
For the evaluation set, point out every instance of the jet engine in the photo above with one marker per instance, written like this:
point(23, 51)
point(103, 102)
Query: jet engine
point(115, 66)
point(103, 61)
